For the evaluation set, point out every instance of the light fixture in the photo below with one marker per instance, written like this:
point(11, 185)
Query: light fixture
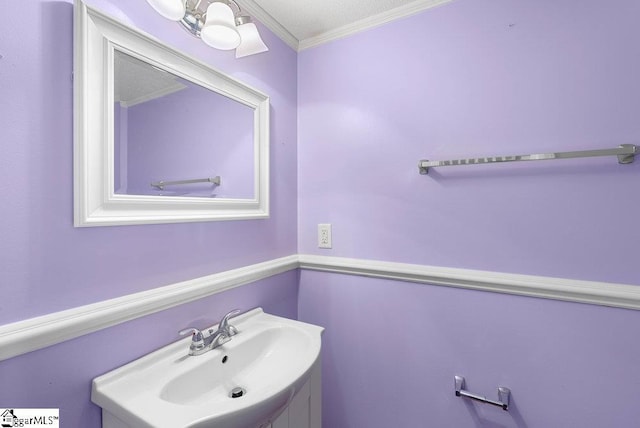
point(251, 41)
point(215, 22)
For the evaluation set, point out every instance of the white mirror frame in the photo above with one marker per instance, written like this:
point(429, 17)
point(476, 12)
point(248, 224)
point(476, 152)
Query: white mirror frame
point(95, 201)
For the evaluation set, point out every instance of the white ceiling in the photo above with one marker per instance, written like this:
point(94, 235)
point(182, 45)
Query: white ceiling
point(306, 23)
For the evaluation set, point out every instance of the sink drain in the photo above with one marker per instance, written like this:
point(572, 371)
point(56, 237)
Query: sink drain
point(237, 392)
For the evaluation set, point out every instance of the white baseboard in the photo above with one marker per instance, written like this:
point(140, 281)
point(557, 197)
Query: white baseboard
point(36, 333)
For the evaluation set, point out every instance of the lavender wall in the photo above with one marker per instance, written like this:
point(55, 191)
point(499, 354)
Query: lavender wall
point(60, 376)
point(391, 350)
point(46, 265)
point(474, 78)
point(477, 78)
point(469, 78)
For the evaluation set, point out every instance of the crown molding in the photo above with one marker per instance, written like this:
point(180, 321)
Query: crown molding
point(259, 14)
point(370, 22)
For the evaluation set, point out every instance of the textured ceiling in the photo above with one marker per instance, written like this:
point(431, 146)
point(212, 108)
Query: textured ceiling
point(304, 23)
point(310, 18)
point(136, 81)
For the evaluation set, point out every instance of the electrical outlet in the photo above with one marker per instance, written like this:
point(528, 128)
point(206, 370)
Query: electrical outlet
point(324, 236)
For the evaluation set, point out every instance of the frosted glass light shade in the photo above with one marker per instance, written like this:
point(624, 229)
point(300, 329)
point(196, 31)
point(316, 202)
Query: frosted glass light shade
point(251, 41)
point(170, 9)
point(219, 30)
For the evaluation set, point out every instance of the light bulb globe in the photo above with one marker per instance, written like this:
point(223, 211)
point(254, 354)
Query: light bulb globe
point(170, 9)
point(219, 30)
point(251, 41)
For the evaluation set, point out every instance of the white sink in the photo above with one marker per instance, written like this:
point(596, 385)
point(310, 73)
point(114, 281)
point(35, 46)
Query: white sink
point(270, 358)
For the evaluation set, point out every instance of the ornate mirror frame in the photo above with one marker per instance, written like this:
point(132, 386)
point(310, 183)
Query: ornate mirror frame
point(97, 36)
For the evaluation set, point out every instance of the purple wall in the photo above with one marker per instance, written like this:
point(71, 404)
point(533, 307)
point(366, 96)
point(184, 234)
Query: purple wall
point(477, 78)
point(214, 137)
point(47, 265)
point(391, 350)
point(474, 78)
point(60, 376)
point(468, 78)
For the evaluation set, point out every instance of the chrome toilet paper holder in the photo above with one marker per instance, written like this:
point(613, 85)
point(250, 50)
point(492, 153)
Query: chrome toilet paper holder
point(503, 394)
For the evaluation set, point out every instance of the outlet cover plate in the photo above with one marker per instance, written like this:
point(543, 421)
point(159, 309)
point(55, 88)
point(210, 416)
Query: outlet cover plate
point(324, 235)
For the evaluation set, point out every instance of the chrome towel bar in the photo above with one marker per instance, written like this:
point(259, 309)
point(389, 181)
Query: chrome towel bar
point(625, 153)
point(503, 394)
point(161, 184)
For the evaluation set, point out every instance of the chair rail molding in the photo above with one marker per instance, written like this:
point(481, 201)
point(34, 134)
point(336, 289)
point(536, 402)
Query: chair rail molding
point(571, 290)
point(36, 333)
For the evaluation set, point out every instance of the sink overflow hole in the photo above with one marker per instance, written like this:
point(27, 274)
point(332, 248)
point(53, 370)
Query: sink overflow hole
point(224, 359)
point(237, 392)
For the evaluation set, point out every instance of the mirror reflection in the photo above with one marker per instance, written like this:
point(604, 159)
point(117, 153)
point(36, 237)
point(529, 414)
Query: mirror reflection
point(173, 137)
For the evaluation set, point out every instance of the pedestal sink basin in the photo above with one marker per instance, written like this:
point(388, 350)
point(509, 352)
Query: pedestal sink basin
point(244, 383)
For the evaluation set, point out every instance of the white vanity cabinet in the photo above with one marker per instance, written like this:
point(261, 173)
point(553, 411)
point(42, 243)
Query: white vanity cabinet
point(305, 410)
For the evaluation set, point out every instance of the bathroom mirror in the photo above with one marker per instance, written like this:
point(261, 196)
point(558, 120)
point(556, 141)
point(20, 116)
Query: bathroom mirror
point(173, 137)
point(161, 137)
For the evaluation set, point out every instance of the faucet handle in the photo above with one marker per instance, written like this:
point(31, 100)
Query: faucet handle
point(197, 333)
point(224, 323)
point(197, 338)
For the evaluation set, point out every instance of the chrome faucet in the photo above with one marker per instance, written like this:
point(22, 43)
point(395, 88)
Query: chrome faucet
point(201, 343)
